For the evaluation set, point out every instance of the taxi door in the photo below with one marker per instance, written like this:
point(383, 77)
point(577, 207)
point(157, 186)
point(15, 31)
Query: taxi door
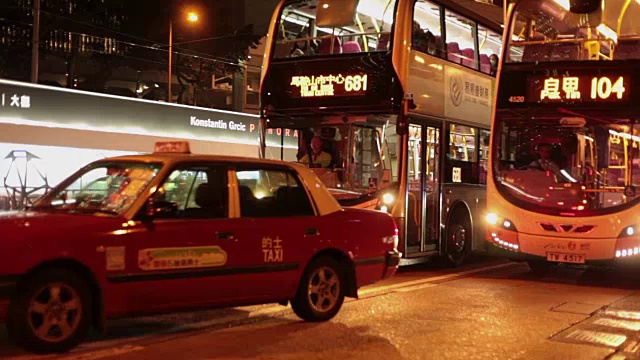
point(178, 258)
point(274, 228)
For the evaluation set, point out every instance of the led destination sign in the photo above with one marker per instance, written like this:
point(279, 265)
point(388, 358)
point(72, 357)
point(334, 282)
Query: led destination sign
point(332, 85)
point(582, 88)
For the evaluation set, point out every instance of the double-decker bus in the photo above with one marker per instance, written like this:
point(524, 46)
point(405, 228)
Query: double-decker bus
point(565, 144)
point(392, 103)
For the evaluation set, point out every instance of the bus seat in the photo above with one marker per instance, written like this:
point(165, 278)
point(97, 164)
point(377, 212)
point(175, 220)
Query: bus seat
point(485, 64)
point(565, 52)
point(383, 42)
point(351, 47)
point(627, 50)
point(468, 58)
point(453, 51)
point(325, 46)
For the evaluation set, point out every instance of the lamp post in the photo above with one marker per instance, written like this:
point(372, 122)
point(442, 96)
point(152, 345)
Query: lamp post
point(191, 17)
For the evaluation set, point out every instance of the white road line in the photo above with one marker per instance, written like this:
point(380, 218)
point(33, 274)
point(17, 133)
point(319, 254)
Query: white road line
point(452, 276)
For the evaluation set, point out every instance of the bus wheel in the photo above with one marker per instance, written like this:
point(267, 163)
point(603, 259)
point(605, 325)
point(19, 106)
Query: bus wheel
point(458, 239)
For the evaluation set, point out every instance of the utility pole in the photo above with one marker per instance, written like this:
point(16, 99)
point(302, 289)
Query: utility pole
point(169, 94)
point(35, 42)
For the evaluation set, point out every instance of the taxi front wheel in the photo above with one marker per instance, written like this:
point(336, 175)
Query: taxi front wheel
point(321, 291)
point(52, 314)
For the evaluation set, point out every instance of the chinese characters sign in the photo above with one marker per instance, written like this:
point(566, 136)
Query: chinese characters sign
point(329, 85)
point(583, 88)
point(15, 100)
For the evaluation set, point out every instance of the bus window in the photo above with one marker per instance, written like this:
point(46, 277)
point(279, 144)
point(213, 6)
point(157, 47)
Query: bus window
point(462, 157)
point(489, 43)
point(460, 34)
point(369, 30)
point(484, 155)
point(559, 167)
point(545, 31)
point(427, 37)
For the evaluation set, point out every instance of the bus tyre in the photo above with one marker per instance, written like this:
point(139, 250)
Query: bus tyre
point(52, 313)
point(458, 243)
point(321, 291)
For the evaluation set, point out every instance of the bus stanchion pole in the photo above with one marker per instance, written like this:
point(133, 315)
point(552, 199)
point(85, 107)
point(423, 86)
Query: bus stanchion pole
point(263, 137)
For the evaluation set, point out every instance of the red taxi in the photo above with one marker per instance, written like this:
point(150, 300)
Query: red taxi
point(171, 231)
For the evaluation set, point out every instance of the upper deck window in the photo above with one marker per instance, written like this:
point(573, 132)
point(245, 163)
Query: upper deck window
point(324, 27)
point(547, 31)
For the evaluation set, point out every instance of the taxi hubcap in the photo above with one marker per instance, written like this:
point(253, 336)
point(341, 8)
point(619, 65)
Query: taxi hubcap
point(324, 288)
point(54, 312)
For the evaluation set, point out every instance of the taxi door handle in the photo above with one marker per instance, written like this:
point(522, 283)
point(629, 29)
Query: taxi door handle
point(311, 231)
point(224, 235)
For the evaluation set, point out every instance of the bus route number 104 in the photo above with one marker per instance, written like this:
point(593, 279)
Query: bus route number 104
point(603, 87)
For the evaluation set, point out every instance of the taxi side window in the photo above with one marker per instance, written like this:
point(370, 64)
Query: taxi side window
point(198, 192)
point(272, 193)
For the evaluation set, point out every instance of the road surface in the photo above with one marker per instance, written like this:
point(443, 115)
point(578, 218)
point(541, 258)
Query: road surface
point(487, 310)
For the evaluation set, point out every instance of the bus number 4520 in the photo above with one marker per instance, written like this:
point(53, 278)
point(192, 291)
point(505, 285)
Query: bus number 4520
point(516, 99)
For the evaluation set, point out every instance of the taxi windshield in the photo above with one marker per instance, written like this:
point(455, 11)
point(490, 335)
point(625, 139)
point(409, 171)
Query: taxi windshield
point(105, 187)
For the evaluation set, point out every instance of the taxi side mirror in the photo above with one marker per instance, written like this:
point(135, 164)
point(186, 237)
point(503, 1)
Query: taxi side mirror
point(160, 209)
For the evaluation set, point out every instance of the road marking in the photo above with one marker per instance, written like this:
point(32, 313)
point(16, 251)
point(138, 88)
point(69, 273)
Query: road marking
point(622, 324)
point(596, 337)
point(452, 276)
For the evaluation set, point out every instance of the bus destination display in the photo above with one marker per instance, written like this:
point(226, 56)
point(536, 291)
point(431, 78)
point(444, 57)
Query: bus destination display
point(331, 85)
point(578, 88)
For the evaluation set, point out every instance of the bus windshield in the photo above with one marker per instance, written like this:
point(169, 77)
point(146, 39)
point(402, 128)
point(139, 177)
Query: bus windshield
point(322, 27)
point(350, 157)
point(547, 31)
point(557, 164)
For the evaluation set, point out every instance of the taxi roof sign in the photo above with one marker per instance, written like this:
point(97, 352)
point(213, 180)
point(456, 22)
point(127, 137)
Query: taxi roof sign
point(181, 147)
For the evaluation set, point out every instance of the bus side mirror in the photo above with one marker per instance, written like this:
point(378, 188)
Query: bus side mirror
point(160, 209)
point(402, 127)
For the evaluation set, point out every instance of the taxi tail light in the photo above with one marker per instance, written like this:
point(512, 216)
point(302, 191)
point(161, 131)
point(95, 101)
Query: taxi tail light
point(628, 243)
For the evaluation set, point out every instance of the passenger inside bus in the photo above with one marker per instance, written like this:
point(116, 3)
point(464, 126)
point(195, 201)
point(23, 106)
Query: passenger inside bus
point(317, 157)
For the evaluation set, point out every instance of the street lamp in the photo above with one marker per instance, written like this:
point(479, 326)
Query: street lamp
point(191, 17)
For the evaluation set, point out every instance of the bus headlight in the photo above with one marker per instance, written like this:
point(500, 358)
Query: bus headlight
point(496, 220)
point(628, 243)
point(388, 199)
point(497, 235)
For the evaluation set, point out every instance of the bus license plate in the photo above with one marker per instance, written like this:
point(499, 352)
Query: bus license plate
point(566, 258)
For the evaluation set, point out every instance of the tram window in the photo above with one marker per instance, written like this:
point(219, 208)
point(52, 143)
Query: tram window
point(460, 35)
point(427, 36)
point(462, 157)
point(489, 43)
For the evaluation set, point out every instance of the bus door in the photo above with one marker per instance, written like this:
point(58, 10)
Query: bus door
point(423, 198)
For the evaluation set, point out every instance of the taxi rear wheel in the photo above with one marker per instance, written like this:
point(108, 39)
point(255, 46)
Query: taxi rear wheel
point(52, 314)
point(321, 291)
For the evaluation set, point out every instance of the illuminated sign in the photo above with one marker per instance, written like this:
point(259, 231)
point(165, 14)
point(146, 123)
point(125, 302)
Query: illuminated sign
point(582, 88)
point(329, 85)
